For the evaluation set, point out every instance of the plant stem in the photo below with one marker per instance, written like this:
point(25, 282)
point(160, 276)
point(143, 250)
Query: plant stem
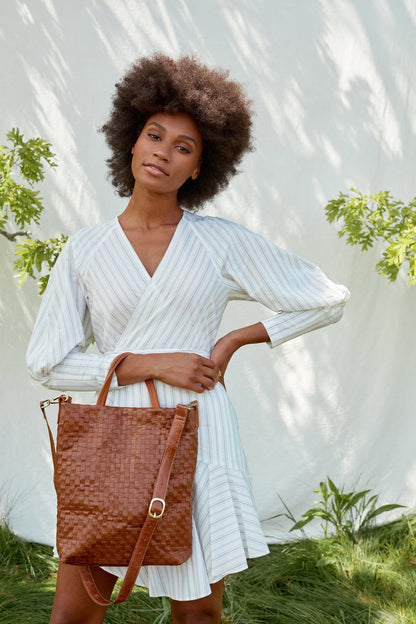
point(11, 236)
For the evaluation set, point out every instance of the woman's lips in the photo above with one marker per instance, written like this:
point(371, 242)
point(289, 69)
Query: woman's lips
point(154, 169)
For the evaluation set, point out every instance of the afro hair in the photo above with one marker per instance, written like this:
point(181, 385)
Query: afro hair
point(161, 84)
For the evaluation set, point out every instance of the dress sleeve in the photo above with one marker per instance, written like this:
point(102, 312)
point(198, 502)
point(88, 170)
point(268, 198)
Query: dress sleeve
point(299, 293)
point(62, 332)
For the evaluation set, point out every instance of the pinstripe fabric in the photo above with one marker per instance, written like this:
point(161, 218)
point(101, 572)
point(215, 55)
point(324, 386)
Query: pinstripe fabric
point(100, 288)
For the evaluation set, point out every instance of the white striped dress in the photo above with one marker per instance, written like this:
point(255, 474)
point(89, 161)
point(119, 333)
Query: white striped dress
point(100, 288)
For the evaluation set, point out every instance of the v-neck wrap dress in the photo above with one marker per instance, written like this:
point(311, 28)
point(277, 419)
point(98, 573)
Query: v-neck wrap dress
point(99, 288)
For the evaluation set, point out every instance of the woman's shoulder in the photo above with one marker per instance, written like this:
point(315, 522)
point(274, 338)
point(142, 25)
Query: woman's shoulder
point(216, 225)
point(93, 234)
point(85, 243)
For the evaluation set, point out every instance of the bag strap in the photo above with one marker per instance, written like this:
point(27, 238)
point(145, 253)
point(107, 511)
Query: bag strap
point(155, 512)
point(62, 398)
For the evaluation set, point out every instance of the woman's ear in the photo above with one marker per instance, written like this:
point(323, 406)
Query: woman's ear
point(195, 174)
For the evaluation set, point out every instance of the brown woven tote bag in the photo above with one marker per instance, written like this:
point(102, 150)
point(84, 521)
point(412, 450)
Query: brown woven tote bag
point(123, 478)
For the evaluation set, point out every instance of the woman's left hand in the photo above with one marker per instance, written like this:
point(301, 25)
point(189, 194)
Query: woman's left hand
point(222, 353)
point(226, 346)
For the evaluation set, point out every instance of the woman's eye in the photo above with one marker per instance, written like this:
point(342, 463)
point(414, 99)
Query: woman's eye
point(182, 148)
point(156, 137)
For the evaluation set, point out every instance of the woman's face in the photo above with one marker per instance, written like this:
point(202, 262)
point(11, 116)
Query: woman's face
point(167, 152)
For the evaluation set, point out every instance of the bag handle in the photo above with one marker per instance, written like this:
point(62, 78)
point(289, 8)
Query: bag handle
point(102, 397)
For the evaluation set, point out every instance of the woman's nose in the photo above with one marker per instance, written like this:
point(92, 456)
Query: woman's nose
point(161, 155)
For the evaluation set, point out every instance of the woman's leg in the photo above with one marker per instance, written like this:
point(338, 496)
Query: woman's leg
point(203, 611)
point(72, 604)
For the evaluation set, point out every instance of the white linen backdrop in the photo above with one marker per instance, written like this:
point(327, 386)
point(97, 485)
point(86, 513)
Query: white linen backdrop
point(334, 88)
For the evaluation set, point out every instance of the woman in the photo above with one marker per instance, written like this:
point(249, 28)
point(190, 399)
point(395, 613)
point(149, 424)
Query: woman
point(155, 281)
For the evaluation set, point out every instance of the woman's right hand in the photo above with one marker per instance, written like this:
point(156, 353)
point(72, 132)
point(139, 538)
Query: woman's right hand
point(184, 370)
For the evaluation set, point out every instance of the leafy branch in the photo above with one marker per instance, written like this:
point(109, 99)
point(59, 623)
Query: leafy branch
point(32, 254)
point(368, 218)
point(21, 205)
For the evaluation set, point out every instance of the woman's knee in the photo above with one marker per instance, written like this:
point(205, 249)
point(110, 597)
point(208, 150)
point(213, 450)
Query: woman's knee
point(64, 616)
point(74, 613)
point(77, 614)
point(206, 610)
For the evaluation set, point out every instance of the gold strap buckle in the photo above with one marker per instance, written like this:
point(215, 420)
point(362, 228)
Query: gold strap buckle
point(58, 399)
point(153, 514)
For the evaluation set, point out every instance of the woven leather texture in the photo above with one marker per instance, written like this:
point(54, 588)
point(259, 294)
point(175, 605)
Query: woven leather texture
point(107, 463)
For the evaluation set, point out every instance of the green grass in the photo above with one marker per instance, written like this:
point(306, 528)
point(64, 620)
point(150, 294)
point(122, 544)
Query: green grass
point(310, 581)
point(332, 581)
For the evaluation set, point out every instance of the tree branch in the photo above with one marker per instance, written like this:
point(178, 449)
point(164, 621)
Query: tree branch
point(11, 236)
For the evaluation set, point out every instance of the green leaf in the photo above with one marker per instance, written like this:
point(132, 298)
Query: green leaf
point(323, 490)
point(325, 561)
point(333, 487)
point(355, 498)
point(300, 524)
point(381, 510)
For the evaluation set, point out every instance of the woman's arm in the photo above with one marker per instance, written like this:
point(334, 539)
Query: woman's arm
point(189, 370)
point(298, 292)
point(62, 332)
point(184, 370)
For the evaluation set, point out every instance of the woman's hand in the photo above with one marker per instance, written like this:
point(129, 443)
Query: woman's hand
point(184, 370)
point(226, 346)
point(222, 353)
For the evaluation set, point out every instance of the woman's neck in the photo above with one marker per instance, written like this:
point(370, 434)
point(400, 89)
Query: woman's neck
point(150, 210)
